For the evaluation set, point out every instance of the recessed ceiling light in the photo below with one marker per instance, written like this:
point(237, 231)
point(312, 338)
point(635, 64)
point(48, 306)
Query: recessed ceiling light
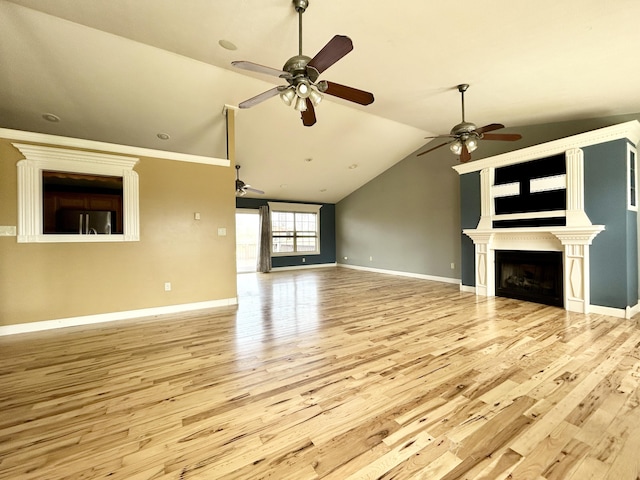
point(50, 117)
point(163, 136)
point(308, 159)
point(227, 44)
point(284, 185)
point(353, 166)
point(323, 190)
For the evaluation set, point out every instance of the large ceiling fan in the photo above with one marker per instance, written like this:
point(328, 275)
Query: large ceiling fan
point(303, 90)
point(242, 188)
point(465, 135)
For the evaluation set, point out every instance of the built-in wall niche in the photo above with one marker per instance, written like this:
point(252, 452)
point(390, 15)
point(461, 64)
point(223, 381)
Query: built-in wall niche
point(531, 188)
point(81, 204)
point(67, 195)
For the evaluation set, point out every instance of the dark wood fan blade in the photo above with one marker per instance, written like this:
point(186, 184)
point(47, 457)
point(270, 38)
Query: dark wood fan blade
point(254, 67)
point(349, 93)
point(309, 115)
point(440, 136)
point(259, 98)
point(508, 137)
point(489, 128)
point(333, 51)
point(432, 149)
point(465, 156)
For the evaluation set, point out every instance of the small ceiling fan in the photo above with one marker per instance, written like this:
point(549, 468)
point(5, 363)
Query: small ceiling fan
point(242, 188)
point(465, 135)
point(303, 90)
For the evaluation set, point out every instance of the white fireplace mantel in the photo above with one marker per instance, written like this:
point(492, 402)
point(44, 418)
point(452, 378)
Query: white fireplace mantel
point(573, 242)
point(573, 239)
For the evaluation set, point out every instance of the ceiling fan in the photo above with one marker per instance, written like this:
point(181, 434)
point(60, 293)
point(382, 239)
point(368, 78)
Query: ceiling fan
point(303, 90)
point(466, 135)
point(242, 188)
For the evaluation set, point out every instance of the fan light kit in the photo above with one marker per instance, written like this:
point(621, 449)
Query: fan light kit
point(466, 135)
point(303, 90)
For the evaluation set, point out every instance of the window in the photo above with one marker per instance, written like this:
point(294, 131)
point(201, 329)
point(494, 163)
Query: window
point(632, 178)
point(295, 229)
point(53, 185)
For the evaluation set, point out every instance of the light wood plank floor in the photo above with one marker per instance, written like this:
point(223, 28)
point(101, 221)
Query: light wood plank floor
point(328, 373)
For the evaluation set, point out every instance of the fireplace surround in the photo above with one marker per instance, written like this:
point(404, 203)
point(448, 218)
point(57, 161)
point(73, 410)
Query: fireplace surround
point(532, 276)
point(533, 200)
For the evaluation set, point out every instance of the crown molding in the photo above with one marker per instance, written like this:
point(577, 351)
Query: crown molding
point(60, 141)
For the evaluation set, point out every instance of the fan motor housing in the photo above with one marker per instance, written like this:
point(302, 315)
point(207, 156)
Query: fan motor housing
point(297, 67)
point(464, 127)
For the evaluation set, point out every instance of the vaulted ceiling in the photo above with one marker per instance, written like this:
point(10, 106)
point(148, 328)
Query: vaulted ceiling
point(123, 71)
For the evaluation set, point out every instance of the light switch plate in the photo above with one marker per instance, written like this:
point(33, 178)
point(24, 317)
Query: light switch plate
point(7, 231)
point(222, 232)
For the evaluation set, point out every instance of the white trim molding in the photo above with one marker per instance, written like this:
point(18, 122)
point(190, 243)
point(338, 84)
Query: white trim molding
point(39, 158)
point(42, 138)
point(114, 316)
point(573, 242)
point(629, 130)
point(421, 276)
point(302, 267)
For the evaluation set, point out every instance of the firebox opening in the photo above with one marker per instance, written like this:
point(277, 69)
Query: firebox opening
point(531, 276)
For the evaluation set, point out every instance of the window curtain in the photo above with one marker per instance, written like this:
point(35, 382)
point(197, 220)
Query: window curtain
point(264, 249)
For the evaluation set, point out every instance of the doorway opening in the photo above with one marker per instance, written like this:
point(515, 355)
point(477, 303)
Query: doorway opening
point(247, 240)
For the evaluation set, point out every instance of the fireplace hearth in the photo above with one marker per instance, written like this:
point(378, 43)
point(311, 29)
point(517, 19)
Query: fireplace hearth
point(530, 276)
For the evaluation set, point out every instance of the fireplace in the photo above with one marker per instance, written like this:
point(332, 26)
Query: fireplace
point(531, 276)
point(540, 199)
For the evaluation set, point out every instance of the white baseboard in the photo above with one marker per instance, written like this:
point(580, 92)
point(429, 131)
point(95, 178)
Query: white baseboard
point(303, 267)
point(615, 312)
point(402, 274)
point(114, 316)
point(467, 289)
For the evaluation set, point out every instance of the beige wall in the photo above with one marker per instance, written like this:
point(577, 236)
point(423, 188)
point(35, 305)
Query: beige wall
point(46, 281)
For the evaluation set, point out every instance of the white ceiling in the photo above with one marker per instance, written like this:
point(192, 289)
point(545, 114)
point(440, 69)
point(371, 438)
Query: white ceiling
point(122, 71)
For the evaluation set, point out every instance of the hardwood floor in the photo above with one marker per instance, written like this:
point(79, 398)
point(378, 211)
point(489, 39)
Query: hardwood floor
point(328, 373)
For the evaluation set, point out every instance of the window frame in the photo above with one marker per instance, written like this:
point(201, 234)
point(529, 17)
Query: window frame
point(296, 208)
point(40, 158)
point(632, 177)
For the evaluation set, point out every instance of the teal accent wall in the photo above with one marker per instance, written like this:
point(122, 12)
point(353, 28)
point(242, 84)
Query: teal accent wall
point(327, 235)
point(469, 218)
point(613, 253)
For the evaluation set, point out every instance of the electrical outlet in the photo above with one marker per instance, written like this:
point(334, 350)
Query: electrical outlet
point(196, 216)
point(346, 258)
point(371, 259)
point(304, 260)
point(167, 286)
point(453, 266)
